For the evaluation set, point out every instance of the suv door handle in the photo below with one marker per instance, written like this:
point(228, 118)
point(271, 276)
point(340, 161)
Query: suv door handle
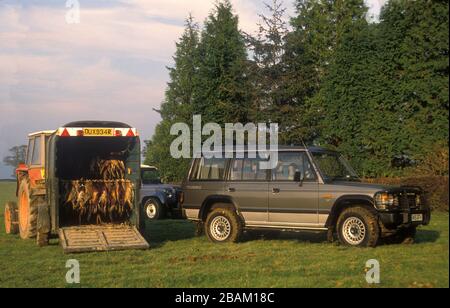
point(275, 190)
point(231, 189)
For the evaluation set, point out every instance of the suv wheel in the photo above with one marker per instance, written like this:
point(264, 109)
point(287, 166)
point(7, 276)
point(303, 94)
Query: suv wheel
point(154, 210)
point(223, 225)
point(358, 227)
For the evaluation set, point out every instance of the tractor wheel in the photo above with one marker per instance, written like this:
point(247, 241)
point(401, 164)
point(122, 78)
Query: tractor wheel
point(28, 210)
point(11, 220)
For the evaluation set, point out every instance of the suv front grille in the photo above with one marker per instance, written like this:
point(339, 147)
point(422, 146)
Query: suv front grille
point(408, 201)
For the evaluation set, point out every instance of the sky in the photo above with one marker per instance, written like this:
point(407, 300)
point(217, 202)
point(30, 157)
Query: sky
point(108, 64)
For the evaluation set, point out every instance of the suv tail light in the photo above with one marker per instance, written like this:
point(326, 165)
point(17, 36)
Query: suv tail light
point(181, 198)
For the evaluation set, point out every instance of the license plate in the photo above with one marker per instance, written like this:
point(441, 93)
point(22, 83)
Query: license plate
point(416, 217)
point(98, 132)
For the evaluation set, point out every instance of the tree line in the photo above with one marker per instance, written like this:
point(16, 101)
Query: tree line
point(375, 91)
point(17, 155)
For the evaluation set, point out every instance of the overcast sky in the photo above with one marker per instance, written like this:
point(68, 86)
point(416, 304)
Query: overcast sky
point(111, 65)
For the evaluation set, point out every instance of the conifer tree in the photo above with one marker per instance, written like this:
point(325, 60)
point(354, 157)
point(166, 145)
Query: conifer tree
point(222, 91)
point(177, 106)
point(267, 73)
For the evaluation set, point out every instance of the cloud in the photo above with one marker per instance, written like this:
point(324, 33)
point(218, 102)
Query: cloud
point(112, 30)
point(112, 65)
point(52, 73)
point(248, 10)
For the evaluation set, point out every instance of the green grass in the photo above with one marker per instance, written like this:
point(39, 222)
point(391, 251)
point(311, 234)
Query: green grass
point(179, 259)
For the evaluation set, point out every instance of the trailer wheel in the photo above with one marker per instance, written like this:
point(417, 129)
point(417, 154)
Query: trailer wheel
point(28, 210)
point(42, 239)
point(43, 223)
point(154, 210)
point(11, 220)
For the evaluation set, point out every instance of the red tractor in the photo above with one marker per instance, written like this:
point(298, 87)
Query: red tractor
point(30, 191)
point(80, 182)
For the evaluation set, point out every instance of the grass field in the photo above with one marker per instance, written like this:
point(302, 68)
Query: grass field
point(179, 259)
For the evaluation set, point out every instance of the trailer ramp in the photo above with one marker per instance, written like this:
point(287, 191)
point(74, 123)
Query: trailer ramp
point(93, 238)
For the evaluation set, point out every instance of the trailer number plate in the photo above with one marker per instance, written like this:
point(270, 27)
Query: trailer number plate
point(98, 132)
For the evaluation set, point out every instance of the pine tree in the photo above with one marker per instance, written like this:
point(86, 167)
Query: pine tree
point(413, 51)
point(318, 30)
point(222, 90)
point(177, 106)
point(346, 98)
point(375, 91)
point(267, 72)
point(385, 96)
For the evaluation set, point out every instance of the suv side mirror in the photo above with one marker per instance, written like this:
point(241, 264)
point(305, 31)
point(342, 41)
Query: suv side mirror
point(298, 177)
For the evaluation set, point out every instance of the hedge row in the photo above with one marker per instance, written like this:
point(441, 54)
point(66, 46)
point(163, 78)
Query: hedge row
point(436, 188)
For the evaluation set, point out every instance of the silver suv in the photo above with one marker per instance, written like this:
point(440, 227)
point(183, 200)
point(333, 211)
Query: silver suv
point(309, 189)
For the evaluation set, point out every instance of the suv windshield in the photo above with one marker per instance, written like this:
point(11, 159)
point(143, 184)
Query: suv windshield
point(150, 176)
point(334, 166)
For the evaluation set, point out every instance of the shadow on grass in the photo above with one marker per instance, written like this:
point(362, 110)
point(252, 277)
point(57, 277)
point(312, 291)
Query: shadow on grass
point(159, 232)
point(422, 237)
point(427, 236)
point(300, 236)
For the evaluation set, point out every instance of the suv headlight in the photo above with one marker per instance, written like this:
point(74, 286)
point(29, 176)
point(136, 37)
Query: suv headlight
point(418, 200)
point(169, 193)
point(384, 200)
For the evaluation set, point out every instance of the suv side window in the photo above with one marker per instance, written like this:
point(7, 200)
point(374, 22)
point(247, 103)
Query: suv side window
point(36, 160)
point(150, 176)
point(236, 170)
point(291, 162)
point(211, 169)
point(247, 169)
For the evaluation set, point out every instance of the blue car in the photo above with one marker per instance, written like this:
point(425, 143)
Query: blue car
point(158, 200)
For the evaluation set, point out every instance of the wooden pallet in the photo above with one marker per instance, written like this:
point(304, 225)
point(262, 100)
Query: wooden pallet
point(101, 238)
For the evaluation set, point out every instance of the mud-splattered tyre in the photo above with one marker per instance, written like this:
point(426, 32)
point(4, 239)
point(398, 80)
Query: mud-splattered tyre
point(358, 227)
point(11, 219)
point(199, 228)
point(27, 210)
point(42, 239)
point(154, 210)
point(223, 225)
